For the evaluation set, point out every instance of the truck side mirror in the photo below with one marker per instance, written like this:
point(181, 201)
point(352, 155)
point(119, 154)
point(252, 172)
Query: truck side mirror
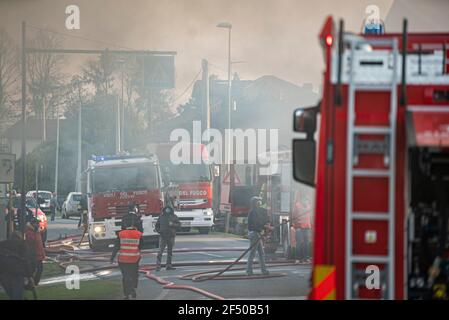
point(216, 170)
point(305, 121)
point(304, 150)
point(166, 177)
point(304, 153)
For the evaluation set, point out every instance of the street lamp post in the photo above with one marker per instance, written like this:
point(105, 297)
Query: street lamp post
point(122, 111)
point(227, 25)
point(78, 167)
point(58, 130)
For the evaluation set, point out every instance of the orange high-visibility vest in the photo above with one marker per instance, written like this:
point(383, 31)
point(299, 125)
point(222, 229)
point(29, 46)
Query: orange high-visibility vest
point(129, 246)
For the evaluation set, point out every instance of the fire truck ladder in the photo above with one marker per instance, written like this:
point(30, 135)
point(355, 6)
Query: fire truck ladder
point(387, 273)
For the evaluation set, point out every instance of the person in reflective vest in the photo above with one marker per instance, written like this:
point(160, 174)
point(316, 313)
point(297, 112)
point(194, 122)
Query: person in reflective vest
point(128, 246)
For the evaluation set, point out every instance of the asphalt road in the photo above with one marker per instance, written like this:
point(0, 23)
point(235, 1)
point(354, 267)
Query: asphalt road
point(292, 286)
point(62, 227)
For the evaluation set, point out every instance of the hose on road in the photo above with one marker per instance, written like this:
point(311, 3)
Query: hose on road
point(66, 248)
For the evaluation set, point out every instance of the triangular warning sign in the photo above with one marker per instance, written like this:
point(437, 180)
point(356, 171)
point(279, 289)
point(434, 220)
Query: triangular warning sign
point(227, 179)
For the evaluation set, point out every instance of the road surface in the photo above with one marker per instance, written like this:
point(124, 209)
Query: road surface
point(294, 285)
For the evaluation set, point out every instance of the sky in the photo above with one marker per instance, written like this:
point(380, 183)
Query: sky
point(269, 37)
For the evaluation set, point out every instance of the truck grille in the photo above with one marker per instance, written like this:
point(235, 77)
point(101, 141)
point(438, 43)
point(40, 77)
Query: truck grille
point(121, 210)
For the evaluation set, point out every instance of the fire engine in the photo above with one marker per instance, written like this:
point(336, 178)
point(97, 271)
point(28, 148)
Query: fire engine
point(115, 182)
point(381, 174)
point(193, 181)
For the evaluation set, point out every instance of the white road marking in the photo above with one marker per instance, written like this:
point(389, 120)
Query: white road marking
point(162, 295)
point(210, 254)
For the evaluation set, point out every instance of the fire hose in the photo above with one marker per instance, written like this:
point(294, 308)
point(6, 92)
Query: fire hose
point(260, 236)
point(64, 248)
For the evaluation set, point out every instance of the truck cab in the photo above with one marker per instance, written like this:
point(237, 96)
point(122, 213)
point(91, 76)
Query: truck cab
point(193, 181)
point(115, 182)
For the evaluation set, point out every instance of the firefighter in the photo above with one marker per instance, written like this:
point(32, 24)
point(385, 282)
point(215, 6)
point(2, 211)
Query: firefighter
point(15, 266)
point(132, 218)
point(53, 205)
point(128, 245)
point(302, 225)
point(257, 223)
point(36, 247)
point(166, 226)
point(82, 208)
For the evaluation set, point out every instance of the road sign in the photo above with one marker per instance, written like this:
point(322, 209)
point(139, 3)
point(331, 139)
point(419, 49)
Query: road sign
point(159, 71)
point(7, 162)
point(227, 178)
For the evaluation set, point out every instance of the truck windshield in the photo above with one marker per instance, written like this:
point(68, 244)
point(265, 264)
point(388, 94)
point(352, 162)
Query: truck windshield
point(188, 172)
point(142, 177)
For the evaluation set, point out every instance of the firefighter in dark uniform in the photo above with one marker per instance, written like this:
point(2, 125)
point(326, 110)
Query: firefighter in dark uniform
point(258, 222)
point(82, 209)
point(128, 245)
point(167, 225)
point(132, 218)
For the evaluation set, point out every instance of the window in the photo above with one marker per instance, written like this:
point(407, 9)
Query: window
point(188, 172)
point(109, 179)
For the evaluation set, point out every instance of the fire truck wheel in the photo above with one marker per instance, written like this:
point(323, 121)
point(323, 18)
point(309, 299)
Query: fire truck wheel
point(204, 230)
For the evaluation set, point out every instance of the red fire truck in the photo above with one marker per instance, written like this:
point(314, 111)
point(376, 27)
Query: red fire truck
point(115, 182)
point(193, 180)
point(381, 173)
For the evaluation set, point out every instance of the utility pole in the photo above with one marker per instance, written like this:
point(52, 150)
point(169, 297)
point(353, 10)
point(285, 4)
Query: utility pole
point(78, 167)
point(122, 131)
point(122, 108)
point(117, 129)
point(44, 117)
point(229, 160)
point(23, 153)
point(57, 153)
point(205, 100)
point(37, 185)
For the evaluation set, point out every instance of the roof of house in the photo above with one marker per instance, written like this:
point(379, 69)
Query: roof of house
point(33, 129)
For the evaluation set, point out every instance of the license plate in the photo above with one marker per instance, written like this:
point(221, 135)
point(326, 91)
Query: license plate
point(185, 224)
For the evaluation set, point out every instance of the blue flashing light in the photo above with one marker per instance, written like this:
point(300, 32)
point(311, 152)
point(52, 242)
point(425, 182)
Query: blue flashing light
point(116, 157)
point(374, 28)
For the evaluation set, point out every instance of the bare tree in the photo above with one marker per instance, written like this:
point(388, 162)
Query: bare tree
point(9, 79)
point(45, 79)
point(100, 73)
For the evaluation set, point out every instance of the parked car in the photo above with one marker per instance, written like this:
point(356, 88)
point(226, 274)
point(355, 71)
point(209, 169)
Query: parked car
point(45, 202)
point(31, 205)
point(70, 205)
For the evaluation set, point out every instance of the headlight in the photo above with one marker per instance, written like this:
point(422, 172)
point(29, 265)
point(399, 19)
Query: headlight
point(207, 213)
point(99, 229)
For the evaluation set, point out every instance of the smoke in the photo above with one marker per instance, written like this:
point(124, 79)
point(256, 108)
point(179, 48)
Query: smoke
point(278, 37)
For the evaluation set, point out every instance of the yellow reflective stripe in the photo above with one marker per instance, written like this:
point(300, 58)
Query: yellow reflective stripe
point(128, 248)
point(129, 241)
point(128, 254)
